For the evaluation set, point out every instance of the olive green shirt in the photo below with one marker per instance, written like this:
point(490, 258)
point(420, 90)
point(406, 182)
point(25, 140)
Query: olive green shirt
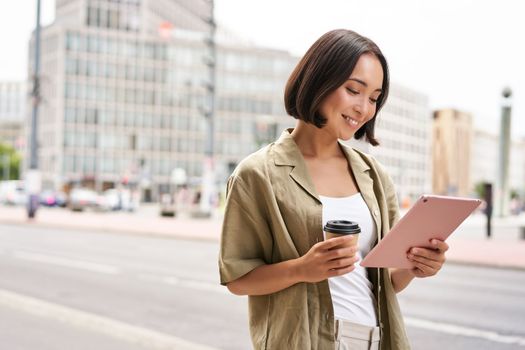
point(274, 214)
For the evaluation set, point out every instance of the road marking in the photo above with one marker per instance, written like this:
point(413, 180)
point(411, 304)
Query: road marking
point(463, 331)
point(186, 282)
point(77, 264)
point(147, 338)
point(196, 284)
point(480, 285)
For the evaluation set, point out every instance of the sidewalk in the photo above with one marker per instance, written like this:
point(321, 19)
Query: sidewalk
point(468, 244)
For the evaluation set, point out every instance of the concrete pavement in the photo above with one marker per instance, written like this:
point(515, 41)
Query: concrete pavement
point(468, 244)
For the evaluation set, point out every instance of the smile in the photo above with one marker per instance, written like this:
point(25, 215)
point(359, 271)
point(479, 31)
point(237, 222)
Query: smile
point(350, 120)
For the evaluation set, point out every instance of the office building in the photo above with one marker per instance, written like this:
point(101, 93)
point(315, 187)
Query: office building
point(125, 89)
point(451, 152)
point(13, 101)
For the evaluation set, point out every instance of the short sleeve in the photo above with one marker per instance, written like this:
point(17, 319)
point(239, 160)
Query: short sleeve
point(246, 239)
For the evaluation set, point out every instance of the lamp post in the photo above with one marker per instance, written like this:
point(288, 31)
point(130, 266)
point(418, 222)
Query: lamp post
point(208, 176)
point(33, 180)
point(502, 204)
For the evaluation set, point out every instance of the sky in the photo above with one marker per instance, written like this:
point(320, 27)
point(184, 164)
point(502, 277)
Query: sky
point(460, 53)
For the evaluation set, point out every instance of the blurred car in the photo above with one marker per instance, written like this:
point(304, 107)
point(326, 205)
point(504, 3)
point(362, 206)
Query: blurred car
point(47, 198)
point(117, 199)
point(81, 199)
point(167, 205)
point(61, 199)
point(13, 193)
point(50, 198)
point(109, 200)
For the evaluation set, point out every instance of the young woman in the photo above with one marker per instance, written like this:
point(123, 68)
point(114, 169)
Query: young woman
point(306, 292)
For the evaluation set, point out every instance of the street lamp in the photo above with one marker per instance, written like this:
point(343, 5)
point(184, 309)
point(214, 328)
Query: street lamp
point(502, 204)
point(33, 180)
point(208, 176)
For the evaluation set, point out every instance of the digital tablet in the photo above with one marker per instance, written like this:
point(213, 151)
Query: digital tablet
point(430, 217)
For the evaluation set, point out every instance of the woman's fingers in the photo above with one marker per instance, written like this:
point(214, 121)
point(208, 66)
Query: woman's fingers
point(339, 253)
point(433, 264)
point(430, 254)
point(342, 263)
point(334, 242)
point(341, 271)
point(422, 270)
point(440, 245)
point(428, 262)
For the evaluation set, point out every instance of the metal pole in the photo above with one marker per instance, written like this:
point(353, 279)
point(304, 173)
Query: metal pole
point(487, 194)
point(208, 178)
point(33, 176)
point(504, 154)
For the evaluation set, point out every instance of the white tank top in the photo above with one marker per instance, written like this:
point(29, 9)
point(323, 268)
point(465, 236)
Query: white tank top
point(352, 294)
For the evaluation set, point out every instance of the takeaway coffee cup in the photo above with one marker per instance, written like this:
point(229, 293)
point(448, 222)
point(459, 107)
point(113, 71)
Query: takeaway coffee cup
point(338, 228)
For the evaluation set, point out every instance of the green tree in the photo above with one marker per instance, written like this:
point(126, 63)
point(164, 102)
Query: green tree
point(479, 189)
point(13, 162)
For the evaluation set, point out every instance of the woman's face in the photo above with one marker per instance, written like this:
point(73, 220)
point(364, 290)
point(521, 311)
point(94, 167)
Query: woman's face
point(352, 104)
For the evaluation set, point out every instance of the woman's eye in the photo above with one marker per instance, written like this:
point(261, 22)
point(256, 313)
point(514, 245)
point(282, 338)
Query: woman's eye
point(351, 91)
point(373, 100)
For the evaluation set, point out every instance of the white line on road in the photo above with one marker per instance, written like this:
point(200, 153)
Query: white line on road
point(463, 331)
point(195, 284)
point(186, 282)
point(148, 338)
point(77, 264)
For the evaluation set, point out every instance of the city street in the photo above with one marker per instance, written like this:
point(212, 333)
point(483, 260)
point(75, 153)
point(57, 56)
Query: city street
point(116, 291)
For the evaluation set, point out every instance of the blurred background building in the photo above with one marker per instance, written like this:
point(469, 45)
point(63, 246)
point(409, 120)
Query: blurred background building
point(124, 89)
point(124, 93)
point(485, 160)
point(13, 100)
point(451, 152)
point(404, 130)
point(464, 158)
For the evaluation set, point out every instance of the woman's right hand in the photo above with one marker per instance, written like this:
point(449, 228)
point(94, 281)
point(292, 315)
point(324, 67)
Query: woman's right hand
point(329, 258)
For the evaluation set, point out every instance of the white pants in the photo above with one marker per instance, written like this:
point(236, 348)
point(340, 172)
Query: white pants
point(354, 336)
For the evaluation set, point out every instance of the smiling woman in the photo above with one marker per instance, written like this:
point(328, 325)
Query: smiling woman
point(337, 73)
point(306, 290)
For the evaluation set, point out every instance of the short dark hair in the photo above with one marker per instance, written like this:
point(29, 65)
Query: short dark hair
point(325, 67)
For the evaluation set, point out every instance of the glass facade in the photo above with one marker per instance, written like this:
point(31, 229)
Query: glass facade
point(134, 104)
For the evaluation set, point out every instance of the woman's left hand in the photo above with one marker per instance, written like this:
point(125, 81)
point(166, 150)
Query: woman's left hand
point(428, 261)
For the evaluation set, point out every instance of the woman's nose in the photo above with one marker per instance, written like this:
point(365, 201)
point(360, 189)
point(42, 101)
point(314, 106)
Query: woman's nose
point(361, 106)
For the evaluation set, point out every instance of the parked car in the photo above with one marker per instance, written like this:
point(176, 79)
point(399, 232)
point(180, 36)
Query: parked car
point(81, 199)
point(61, 199)
point(109, 200)
point(118, 199)
point(50, 198)
point(47, 198)
point(13, 193)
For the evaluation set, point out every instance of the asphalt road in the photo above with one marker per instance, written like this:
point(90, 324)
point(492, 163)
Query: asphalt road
point(115, 291)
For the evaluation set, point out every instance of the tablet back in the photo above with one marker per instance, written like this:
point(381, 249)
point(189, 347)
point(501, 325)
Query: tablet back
point(431, 217)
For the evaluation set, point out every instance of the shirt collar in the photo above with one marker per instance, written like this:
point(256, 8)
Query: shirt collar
point(286, 152)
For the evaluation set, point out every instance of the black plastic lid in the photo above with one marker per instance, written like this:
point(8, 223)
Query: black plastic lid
point(342, 227)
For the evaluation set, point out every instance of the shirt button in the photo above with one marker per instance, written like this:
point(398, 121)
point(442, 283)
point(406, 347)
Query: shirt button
point(376, 212)
point(327, 316)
